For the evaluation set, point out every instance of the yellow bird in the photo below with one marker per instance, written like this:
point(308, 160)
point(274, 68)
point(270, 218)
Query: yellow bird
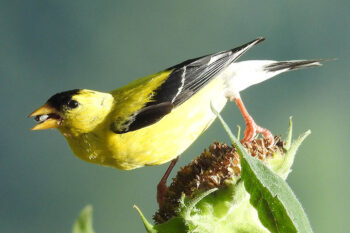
point(154, 119)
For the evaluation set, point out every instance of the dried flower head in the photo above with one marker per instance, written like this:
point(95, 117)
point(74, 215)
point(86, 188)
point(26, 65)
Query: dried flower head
point(214, 168)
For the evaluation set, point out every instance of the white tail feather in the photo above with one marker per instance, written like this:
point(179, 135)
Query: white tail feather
point(241, 75)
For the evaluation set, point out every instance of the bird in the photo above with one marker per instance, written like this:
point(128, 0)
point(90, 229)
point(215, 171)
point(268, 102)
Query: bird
point(155, 119)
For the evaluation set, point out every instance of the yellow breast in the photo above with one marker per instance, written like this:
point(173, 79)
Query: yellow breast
point(168, 138)
point(157, 143)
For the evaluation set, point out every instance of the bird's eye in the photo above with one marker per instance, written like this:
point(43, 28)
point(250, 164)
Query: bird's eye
point(72, 104)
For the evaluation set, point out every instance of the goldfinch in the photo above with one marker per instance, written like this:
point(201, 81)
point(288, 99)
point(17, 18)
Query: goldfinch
point(156, 118)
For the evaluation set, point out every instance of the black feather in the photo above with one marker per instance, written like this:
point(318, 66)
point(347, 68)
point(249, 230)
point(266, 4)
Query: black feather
point(147, 116)
point(190, 76)
point(292, 65)
point(58, 100)
point(185, 80)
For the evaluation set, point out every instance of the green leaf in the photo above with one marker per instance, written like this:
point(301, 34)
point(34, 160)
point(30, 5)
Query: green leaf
point(289, 135)
point(282, 163)
point(186, 213)
point(175, 225)
point(84, 222)
point(278, 208)
point(149, 227)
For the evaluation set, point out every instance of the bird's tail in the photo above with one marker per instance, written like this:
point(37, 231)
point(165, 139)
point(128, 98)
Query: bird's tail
point(292, 65)
point(241, 75)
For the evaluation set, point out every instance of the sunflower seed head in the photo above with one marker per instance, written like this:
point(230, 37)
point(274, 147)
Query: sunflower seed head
point(214, 168)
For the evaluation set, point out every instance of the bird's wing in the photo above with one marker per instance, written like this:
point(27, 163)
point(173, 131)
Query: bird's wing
point(180, 82)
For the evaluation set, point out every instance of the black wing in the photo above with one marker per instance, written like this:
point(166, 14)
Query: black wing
point(185, 80)
point(188, 77)
point(145, 117)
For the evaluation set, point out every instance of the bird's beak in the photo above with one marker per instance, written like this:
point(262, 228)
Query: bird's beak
point(47, 117)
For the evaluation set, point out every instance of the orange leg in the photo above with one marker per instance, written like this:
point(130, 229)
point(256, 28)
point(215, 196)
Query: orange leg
point(161, 187)
point(251, 127)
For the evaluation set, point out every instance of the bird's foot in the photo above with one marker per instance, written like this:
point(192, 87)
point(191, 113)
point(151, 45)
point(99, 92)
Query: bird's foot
point(161, 187)
point(252, 129)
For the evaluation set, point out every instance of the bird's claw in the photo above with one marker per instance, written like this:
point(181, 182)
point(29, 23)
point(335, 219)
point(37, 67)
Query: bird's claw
point(249, 133)
point(252, 129)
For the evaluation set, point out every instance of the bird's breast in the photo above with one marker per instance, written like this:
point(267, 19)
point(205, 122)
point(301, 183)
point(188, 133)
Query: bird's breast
point(159, 142)
point(173, 134)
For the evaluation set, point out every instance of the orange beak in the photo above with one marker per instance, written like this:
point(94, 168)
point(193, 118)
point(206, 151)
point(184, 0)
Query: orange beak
point(47, 117)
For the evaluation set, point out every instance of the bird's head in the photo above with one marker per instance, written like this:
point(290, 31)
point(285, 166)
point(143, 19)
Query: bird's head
point(73, 112)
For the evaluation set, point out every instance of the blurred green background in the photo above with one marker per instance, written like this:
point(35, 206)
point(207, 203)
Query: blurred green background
point(49, 46)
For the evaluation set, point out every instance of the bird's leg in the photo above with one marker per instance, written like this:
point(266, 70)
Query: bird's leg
point(161, 187)
point(251, 127)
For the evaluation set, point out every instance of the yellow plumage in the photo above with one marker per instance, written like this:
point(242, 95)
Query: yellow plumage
point(151, 145)
point(166, 139)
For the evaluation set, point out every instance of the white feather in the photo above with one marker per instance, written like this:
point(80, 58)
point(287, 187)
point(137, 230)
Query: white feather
point(182, 84)
point(241, 75)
